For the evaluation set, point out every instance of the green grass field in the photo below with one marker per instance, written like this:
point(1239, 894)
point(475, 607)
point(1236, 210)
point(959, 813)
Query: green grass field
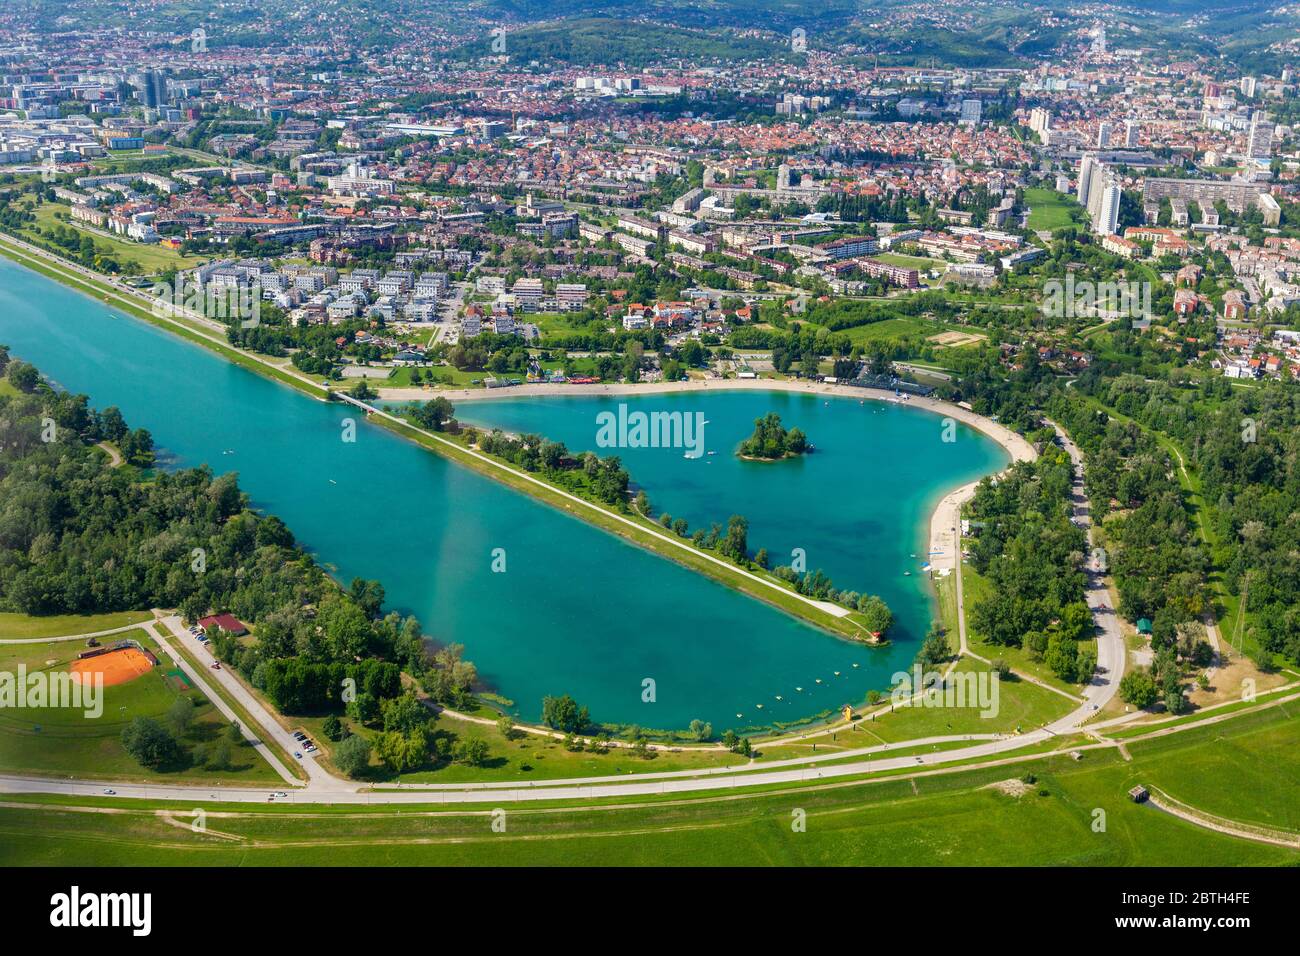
point(893, 330)
point(65, 741)
point(152, 258)
point(980, 816)
point(20, 626)
point(920, 263)
point(1049, 209)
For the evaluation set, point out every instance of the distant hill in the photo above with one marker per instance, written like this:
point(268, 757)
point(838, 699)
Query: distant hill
point(603, 41)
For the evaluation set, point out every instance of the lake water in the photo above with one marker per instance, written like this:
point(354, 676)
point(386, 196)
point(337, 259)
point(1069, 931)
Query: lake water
point(576, 611)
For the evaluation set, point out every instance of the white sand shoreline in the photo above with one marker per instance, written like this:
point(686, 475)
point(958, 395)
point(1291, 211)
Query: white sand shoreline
point(945, 519)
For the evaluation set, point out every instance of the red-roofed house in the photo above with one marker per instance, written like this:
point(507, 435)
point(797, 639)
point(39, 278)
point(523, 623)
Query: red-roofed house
point(227, 622)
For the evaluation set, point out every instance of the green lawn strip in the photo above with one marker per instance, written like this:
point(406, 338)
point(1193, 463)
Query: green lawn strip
point(1248, 774)
point(15, 626)
point(1142, 728)
point(970, 817)
point(546, 758)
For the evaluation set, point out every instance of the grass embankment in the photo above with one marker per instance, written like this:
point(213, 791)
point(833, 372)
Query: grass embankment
point(1035, 812)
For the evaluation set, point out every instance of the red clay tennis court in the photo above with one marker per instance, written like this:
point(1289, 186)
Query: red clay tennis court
point(117, 666)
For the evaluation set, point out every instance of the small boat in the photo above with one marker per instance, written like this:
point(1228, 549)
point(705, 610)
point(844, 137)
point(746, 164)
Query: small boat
point(759, 706)
point(799, 690)
point(837, 673)
point(778, 697)
point(855, 665)
point(907, 573)
point(819, 680)
point(740, 715)
point(333, 482)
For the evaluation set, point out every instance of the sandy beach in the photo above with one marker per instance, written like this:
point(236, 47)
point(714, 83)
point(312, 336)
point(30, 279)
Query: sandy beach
point(946, 517)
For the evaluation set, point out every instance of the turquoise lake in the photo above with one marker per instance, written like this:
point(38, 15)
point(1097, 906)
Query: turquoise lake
point(577, 611)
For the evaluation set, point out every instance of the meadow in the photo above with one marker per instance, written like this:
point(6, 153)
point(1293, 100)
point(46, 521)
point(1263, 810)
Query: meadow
point(1049, 810)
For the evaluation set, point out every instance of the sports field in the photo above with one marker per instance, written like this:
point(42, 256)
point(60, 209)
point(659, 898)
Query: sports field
point(65, 741)
point(114, 668)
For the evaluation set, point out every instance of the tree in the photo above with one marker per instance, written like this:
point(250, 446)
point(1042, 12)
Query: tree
point(402, 752)
point(1062, 656)
point(22, 376)
point(1138, 688)
point(352, 756)
point(180, 715)
point(404, 714)
point(563, 713)
point(332, 728)
point(700, 730)
point(736, 544)
point(934, 649)
point(150, 743)
point(472, 752)
point(506, 727)
point(219, 755)
point(876, 614)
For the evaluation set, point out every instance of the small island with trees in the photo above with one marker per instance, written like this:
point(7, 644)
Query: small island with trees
point(772, 442)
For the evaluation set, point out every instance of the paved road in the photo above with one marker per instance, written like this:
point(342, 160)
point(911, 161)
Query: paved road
point(161, 627)
point(1111, 651)
point(268, 725)
point(633, 785)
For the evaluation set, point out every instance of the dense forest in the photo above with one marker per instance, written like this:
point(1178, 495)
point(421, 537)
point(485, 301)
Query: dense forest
point(1033, 554)
point(1196, 485)
point(78, 535)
